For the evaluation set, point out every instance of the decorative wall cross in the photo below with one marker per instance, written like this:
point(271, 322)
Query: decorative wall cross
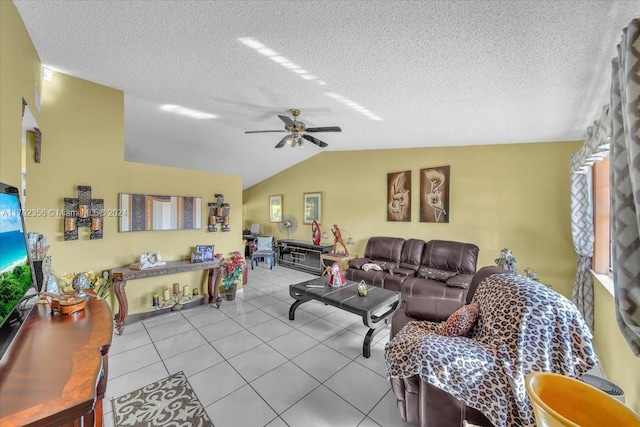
point(83, 212)
point(219, 214)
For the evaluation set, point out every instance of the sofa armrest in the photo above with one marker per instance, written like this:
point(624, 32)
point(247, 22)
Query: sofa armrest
point(461, 281)
point(358, 262)
point(425, 299)
point(404, 272)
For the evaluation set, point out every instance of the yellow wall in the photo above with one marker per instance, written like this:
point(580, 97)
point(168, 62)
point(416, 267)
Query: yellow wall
point(619, 364)
point(83, 144)
point(502, 196)
point(19, 73)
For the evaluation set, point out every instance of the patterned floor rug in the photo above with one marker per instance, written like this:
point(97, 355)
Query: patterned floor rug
point(168, 402)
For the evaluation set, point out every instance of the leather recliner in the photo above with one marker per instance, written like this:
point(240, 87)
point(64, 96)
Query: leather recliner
point(439, 377)
point(418, 401)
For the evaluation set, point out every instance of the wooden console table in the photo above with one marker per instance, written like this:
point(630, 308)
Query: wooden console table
point(121, 275)
point(55, 372)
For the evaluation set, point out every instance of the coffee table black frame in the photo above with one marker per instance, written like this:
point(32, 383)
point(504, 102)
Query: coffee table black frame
point(346, 298)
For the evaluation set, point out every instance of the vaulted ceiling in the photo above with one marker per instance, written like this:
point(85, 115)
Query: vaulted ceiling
point(391, 74)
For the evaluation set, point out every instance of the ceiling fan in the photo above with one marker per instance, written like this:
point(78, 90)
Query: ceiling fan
point(297, 131)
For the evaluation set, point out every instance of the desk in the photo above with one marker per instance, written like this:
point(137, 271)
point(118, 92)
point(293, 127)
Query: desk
point(123, 274)
point(55, 372)
point(249, 245)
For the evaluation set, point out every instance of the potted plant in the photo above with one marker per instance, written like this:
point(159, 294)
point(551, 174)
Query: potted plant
point(231, 269)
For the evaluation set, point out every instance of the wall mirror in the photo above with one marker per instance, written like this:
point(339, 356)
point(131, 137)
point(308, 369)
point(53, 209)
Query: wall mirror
point(151, 212)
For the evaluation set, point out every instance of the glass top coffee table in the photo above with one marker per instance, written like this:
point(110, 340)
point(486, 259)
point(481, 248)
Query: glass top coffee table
point(374, 308)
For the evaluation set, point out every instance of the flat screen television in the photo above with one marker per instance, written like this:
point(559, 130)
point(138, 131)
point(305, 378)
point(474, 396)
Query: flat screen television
point(16, 269)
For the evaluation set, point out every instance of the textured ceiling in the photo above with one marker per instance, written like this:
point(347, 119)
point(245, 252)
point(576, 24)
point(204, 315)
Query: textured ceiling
point(437, 73)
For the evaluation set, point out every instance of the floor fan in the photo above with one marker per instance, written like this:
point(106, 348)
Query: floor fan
point(288, 225)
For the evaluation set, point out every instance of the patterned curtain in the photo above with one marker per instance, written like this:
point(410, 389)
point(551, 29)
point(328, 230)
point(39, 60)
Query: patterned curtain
point(582, 233)
point(596, 147)
point(625, 183)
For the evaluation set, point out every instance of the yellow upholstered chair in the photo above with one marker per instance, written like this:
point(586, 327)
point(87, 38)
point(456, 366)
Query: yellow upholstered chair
point(561, 401)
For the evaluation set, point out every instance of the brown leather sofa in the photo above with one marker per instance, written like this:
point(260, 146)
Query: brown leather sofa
point(440, 271)
point(417, 399)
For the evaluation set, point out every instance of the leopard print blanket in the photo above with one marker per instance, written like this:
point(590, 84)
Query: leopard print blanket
point(522, 327)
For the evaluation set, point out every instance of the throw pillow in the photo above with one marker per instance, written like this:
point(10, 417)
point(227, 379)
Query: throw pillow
point(371, 266)
point(435, 274)
point(265, 243)
point(461, 321)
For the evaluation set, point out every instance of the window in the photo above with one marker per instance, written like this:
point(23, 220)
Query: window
point(601, 217)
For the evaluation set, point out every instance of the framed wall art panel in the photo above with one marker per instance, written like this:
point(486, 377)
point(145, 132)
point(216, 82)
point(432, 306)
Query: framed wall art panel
point(434, 194)
point(275, 208)
point(312, 208)
point(399, 196)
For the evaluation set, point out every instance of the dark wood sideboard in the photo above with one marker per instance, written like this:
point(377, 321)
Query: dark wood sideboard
point(302, 255)
point(55, 372)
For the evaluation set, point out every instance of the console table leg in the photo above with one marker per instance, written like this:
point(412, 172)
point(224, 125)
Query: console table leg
point(213, 284)
point(121, 295)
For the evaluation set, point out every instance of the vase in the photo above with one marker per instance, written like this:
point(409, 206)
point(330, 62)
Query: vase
point(80, 283)
point(231, 293)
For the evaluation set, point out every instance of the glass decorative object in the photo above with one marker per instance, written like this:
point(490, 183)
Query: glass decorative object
point(80, 283)
point(362, 289)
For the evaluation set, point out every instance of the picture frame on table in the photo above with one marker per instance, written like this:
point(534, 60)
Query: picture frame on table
point(275, 208)
point(312, 208)
point(206, 251)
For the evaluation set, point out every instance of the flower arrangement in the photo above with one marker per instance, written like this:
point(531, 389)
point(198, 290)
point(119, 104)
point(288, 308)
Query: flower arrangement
point(231, 268)
point(97, 283)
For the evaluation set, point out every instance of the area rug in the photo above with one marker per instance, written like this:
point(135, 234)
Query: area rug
point(167, 403)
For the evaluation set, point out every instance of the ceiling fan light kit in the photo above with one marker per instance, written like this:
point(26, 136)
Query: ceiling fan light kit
point(298, 131)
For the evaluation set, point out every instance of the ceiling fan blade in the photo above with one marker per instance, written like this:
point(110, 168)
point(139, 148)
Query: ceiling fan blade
point(240, 103)
point(282, 142)
point(264, 131)
point(316, 141)
point(325, 129)
point(287, 120)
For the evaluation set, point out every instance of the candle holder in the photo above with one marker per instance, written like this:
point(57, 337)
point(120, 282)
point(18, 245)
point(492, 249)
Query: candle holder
point(177, 301)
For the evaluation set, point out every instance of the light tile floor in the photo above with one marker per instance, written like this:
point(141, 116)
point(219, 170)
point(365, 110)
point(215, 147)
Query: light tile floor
point(251, 366)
